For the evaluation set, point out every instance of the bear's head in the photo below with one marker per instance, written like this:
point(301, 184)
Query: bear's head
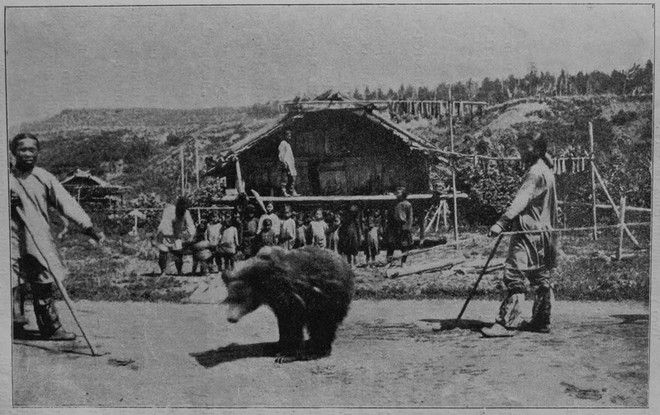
point(244, 284)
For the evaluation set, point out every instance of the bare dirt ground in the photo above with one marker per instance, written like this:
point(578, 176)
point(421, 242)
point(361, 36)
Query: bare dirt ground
point(388, 353)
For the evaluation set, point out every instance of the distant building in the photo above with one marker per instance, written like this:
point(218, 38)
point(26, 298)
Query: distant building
point(92, 190)
point(341, 147)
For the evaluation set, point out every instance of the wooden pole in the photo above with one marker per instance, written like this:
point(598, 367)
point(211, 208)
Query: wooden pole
point(196, 164)
point(183, 177)
point(594, 218)
point(421, 228)
point(616, 211)
point(453, 167)
point(483, 272)
point(622, 224)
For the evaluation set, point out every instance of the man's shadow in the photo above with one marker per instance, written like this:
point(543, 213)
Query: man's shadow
point(211, 358)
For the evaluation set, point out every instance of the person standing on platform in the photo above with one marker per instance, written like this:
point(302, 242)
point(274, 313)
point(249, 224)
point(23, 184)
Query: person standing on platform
point(288, 171)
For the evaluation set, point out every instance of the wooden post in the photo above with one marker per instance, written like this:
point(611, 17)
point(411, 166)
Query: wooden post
point(196, 164)
point(429, 224)
point(622, 226)
point(453, 167)
point(183, 173)
point(421, 228)
point(616, 211)
point(594, 218)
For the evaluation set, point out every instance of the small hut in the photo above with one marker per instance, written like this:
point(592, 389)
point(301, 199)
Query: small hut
point(89, 189)
point(341, 148)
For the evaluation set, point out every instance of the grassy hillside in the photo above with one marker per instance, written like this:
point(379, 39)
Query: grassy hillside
point(623, 136)
point(144, 137)
point(144, 140)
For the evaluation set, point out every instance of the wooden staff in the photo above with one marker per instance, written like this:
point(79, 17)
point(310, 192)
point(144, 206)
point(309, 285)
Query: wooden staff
point(481, 275)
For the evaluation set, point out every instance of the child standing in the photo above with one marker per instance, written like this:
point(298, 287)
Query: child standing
point(374, 232)
point(213, 234)
point(287, 229)
point(301, 232)
point(201, 253)
point(350, 235)
point(249, 232)
point(334, 233)
point(319, 228)
point(266, 237)
point(228, 244)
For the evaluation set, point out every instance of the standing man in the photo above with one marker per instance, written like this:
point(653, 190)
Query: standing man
point(287, 166)
point(34, 257)
point(399, 226)
point(531, 256)
point(176, 227)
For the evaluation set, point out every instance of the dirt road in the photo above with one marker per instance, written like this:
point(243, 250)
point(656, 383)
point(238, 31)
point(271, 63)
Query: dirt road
point(391, 353)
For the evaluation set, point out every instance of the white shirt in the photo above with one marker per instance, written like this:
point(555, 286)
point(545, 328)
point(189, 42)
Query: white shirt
point(286, 156)
point(274, 219)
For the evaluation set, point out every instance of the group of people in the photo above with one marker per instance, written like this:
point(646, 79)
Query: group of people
point(215, 244)
point(35, 261)
point(216, 241)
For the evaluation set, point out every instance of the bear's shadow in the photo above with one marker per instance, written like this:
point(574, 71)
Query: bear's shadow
point(211, 358)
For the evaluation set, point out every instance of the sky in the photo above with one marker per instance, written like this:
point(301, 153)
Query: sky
point(204, 56)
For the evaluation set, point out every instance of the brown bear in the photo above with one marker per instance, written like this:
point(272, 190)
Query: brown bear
point(307, 287)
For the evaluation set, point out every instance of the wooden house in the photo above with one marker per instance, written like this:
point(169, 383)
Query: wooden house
point(92, 190)
point(341, 147)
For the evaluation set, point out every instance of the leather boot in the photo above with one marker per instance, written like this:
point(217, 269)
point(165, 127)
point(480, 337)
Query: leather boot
point(509, 313)
point(162, 262)
point(540, 322)
point(48, 320)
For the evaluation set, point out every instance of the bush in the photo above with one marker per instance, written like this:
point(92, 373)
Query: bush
point(623, 117)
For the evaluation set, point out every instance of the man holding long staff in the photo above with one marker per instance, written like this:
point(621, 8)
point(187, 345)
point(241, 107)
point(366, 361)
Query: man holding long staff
point(34, 257)
point(531, 255)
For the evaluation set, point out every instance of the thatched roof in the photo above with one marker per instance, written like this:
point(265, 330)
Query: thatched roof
point(83, 178)
point(328, 101)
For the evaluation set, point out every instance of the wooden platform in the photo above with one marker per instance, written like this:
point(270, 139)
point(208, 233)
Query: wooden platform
point(346, 198)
